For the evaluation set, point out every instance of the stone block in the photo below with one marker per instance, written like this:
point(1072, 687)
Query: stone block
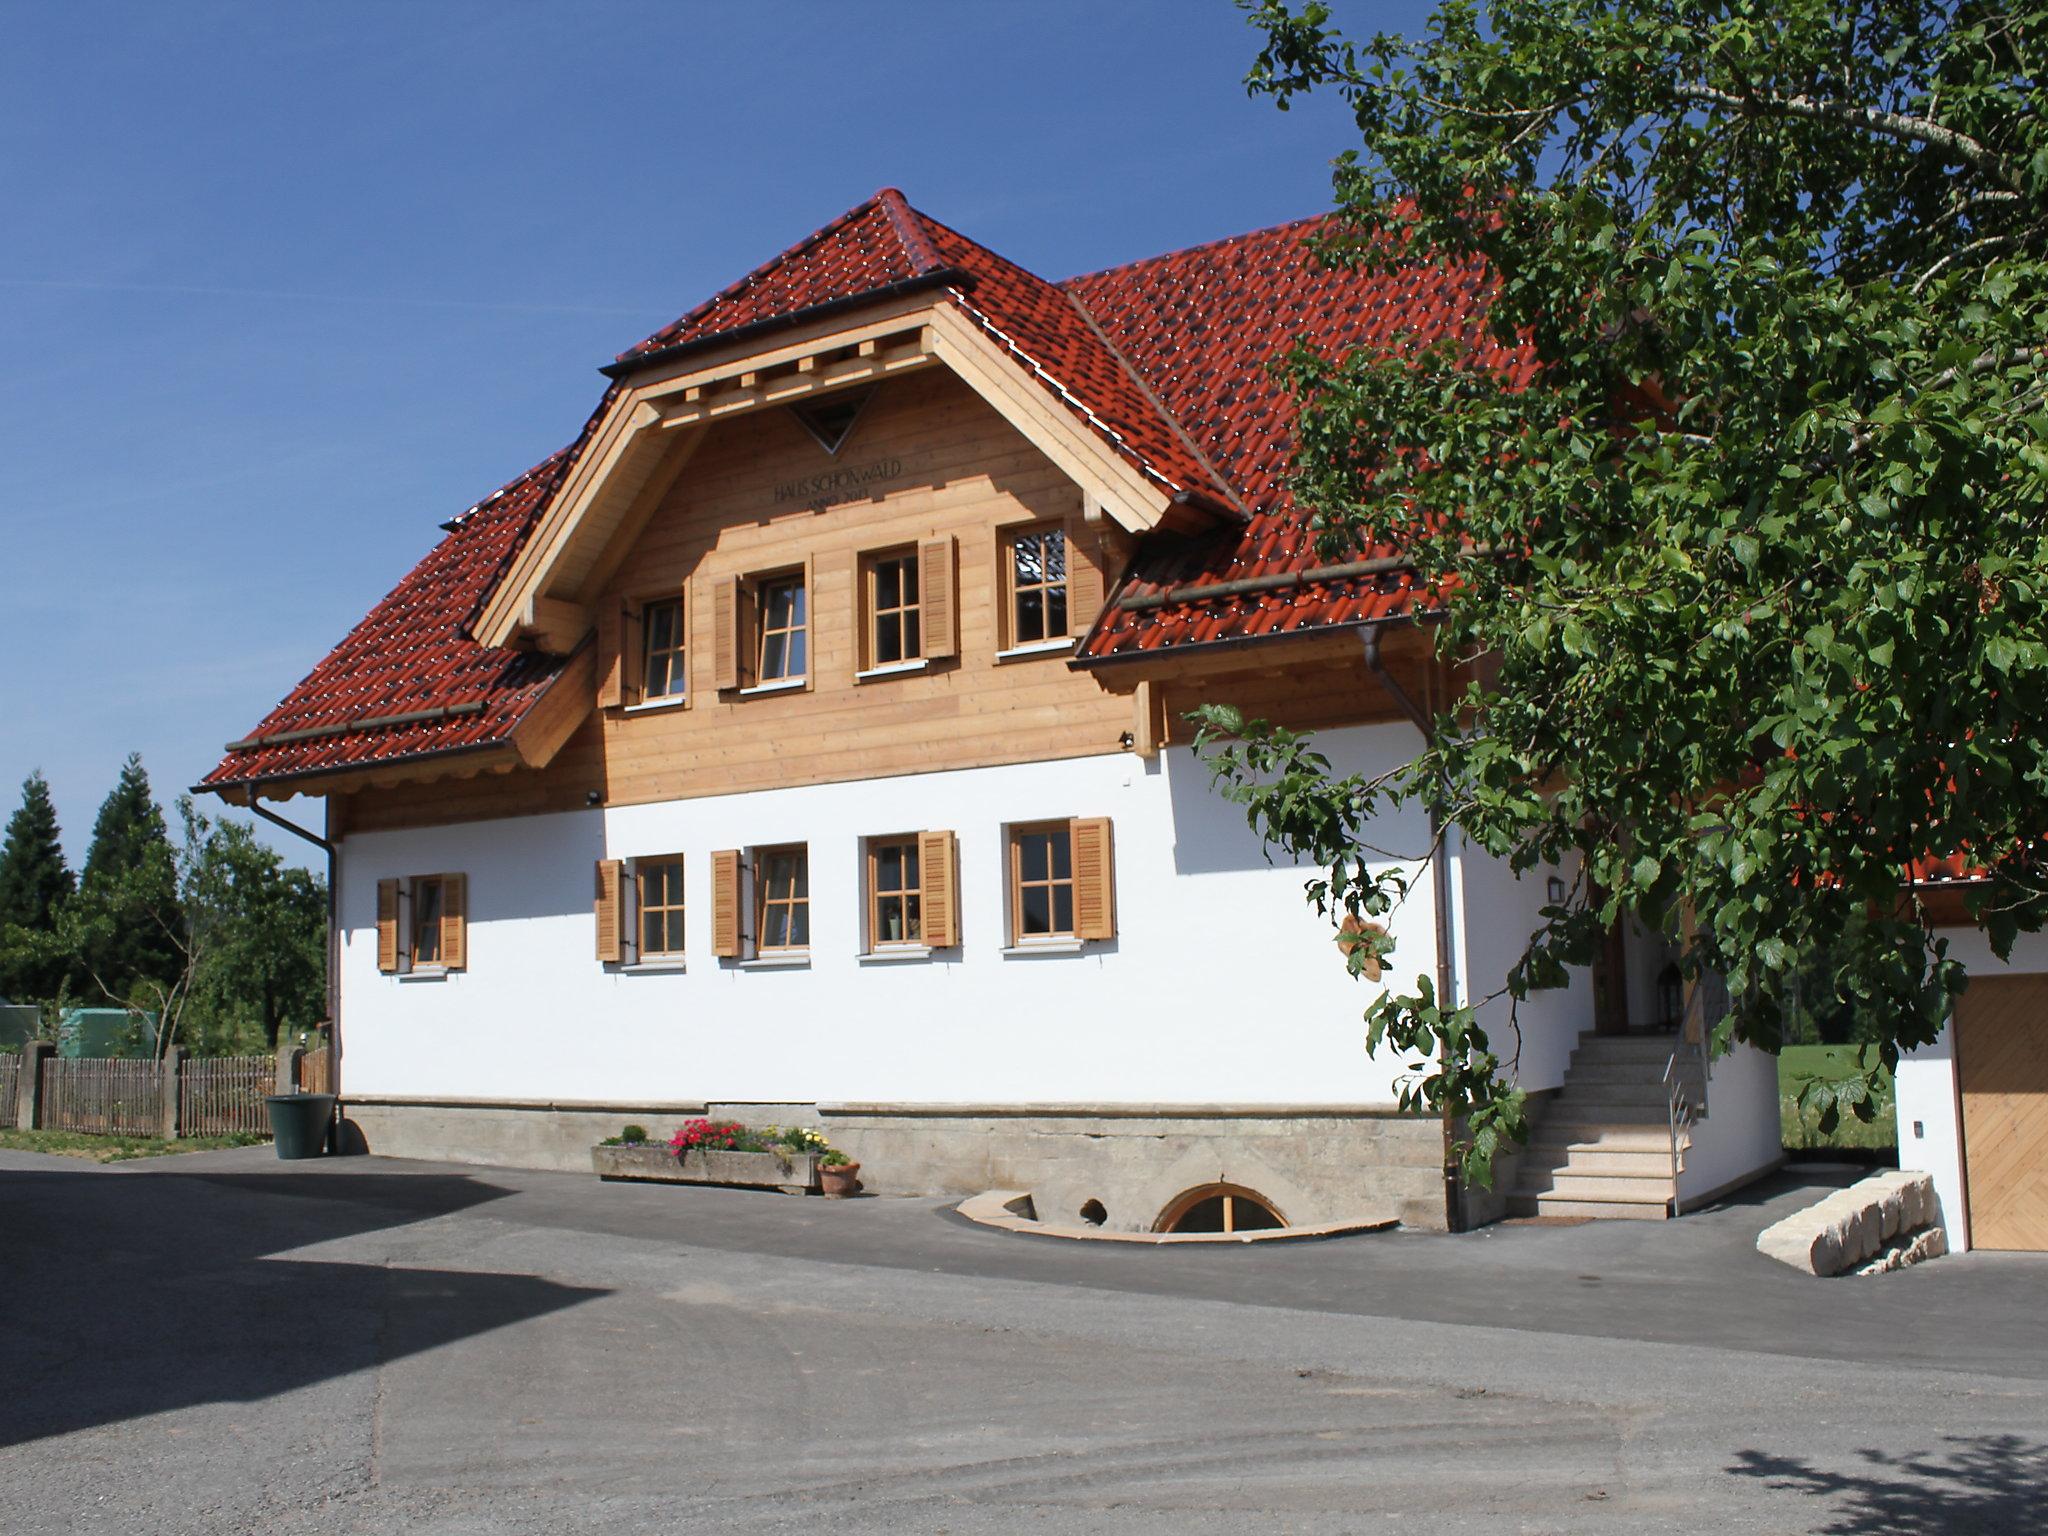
point(1858, 1228)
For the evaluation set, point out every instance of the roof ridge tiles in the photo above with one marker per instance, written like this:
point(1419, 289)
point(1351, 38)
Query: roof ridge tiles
point(908, 224)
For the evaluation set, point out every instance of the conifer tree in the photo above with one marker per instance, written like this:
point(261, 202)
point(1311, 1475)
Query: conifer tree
point(34, 883)
point(130, 882)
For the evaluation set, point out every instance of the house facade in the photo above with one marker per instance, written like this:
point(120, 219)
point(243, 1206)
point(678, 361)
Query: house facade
point(807, 742)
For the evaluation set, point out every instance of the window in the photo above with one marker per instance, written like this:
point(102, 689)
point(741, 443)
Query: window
point(423, 924)
point(1219, 1208)
point(782, 885)
point(781, 654)
point(658, 890)
point(895, 892)
point(1035, 571)
point(895, 613)
point(428, 900)
point(664, 670)
point(1041, 882)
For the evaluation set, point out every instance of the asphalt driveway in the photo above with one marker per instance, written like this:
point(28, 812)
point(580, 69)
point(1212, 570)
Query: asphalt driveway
point(220, 1342)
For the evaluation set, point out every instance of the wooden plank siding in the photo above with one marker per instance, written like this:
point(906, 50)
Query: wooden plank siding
point(962, 473)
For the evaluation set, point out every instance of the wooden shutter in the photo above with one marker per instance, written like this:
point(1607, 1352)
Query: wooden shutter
point(938, 868)
point(611, 665)
point(725, 904)
point(387, 926)
point(455, 921)
point(1084, 578)
point(935, 593)
point(726, 640)
point(1094, 879)
point(632, 654)
point(610, 942)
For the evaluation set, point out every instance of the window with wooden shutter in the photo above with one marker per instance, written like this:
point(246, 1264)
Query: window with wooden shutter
point(658, 901)
point(1094, 880)
point(1036, 608)
point(725, 904)
point(610, 944)
point(664, 651)
point(725, 641)
point(1084, 578)
point(387, 926)
point(938, 861)
point(1041, 883)
point(892, 600)
point(611, 662)
point(454, 922)
point(936, 581)
point(632, 653)
point(896, 896)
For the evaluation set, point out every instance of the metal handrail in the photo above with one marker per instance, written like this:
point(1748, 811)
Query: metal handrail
point(1683, 1114)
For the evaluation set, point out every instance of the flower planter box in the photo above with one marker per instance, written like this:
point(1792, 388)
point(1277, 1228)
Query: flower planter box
point(794, 1173)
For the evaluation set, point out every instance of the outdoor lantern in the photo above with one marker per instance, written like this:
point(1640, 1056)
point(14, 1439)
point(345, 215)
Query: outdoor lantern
point(1670, 994)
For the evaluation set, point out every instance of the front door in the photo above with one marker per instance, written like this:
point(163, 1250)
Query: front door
point(2001, 1043)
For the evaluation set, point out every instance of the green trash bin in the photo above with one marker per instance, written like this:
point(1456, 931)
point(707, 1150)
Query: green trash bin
point(299, 1121)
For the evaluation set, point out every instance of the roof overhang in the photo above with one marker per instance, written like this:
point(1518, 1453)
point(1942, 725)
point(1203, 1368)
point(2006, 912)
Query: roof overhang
point(532, 742)
point(657, 421)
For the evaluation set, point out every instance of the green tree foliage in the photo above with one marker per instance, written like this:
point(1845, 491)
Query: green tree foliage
point(35, 882)
point(1758, 541)
point(128, 929)
point(260, 926)
point(245, 936)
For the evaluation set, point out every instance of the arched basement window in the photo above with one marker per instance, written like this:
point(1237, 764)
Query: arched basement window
point(1219, 1208)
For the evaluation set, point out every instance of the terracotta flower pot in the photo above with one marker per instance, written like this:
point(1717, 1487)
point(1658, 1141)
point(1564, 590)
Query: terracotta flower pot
point(837, 1183)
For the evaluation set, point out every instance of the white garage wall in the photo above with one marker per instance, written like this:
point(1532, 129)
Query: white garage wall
point(1221, 987)
point(1930, 1107)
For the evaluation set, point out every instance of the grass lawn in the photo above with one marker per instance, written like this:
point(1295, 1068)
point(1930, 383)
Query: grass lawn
point(116, 1149)
point(1798, 1063)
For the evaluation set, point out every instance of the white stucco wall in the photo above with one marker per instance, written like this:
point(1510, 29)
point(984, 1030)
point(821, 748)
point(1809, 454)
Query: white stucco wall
point(1221, 987)
point(1741, 1133)
point(1496, 912)
point(1930, 1108)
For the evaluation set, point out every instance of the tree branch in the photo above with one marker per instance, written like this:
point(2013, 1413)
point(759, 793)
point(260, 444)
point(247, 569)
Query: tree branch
point(1897, 125)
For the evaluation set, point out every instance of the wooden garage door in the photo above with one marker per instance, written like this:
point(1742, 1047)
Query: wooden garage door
point(2002, 1064)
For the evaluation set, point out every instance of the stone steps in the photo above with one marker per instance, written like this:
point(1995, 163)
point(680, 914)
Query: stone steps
point(1603, 1147)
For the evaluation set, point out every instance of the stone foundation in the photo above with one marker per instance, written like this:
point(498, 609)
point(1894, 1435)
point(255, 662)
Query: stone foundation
point(1314, 1164)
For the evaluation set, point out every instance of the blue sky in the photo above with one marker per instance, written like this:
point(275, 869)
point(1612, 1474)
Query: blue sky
point(284, 287)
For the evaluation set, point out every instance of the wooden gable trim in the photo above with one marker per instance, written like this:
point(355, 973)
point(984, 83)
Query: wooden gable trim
point(633, 459)
point(1130, 498)
point(627, 468)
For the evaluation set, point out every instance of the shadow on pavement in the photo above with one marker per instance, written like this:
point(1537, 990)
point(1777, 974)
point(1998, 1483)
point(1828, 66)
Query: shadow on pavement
point(1982, 1483)
point(122, 1296)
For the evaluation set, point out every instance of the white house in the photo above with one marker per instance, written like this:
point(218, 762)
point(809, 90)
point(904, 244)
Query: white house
point(806, 741)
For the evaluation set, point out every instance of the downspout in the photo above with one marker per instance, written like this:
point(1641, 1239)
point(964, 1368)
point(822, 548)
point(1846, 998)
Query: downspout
point(1440, 882)
point(252, 804)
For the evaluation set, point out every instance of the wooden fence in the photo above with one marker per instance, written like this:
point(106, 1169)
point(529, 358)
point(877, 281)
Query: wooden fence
point(178, 1096)
point(221, 1095)
point(103, 1097)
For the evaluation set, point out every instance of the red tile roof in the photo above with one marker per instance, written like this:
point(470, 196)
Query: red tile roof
point(1166, 360)
point(1203, 325)
point(411, 656)
point(874, 247)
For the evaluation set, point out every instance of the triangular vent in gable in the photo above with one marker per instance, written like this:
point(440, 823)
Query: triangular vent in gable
point(830, 419)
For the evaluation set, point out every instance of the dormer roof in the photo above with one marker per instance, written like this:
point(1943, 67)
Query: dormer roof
point(1163, 365)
